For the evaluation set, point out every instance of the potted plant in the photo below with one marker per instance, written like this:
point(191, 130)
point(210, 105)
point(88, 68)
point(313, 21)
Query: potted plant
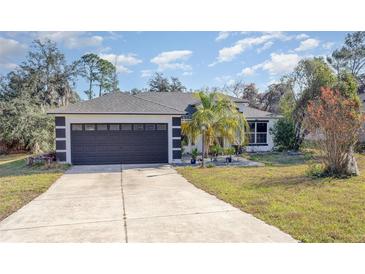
point(215, 151)
point(229, 151)
point(194, 155)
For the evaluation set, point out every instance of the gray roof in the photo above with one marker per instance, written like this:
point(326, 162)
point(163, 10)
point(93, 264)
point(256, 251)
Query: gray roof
point(148, 103)
point(117, 103)
point(184, 101)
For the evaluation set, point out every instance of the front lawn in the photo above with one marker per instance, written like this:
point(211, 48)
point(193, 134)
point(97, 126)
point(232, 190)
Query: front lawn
point(311, 210)
point(19, 184)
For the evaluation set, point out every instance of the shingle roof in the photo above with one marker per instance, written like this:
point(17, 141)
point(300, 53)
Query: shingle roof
point(117, 103)
point(184, 100)
point(148, 103)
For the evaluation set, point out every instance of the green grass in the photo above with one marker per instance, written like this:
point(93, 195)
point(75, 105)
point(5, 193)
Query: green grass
point(19, 184)
point(311, 210)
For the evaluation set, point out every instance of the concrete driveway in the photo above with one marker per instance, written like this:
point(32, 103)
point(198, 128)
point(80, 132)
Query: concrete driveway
point(139, 204)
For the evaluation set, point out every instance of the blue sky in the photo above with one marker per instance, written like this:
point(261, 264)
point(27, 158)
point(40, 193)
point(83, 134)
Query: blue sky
point(199, 59)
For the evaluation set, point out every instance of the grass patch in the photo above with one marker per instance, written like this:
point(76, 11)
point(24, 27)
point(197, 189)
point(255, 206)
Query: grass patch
point(281, 194)
point(19, 184)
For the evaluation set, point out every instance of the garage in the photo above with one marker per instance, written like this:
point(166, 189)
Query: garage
point(125, 143)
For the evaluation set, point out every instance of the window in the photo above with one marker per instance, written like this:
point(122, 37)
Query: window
point(258, 133)
point(114, 127)
point(126, 126)
point(138, 127)
point(89, 127)
point(102, 127)
point(150, 127)
point(161, 127)
point(76, 127)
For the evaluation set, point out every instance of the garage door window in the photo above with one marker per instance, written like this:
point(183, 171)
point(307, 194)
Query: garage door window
point(150, 127)
point(138, 127)
point(126, 126)
point(102, 127)
point(161, 127)
point(114, 127)
point(89, 127)
point(76, 127)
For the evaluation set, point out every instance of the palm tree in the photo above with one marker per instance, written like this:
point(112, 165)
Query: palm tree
point(216, 116)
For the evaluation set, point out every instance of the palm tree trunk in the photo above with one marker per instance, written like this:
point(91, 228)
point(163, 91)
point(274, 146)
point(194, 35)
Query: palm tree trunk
point(203, 149)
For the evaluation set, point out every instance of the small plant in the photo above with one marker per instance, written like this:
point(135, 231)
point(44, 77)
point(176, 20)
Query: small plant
point(315, 170)
point(215, 151)
point(210, 165)
point(194, 155)
point(229, 151)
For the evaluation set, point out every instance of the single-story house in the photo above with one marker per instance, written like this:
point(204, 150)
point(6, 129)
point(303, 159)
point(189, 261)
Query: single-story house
point(143, 128)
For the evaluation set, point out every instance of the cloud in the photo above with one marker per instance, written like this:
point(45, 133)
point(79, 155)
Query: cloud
point(307, 44)
point(187, 73)
point(229, 53)
point(222, 35)
point(146, 73)
point(9, 51)
point(301, 36)
point(279, 63)
point(247, 72)
point(172, 60)
point(122, 61)
point(72, 39)
point(266, 46)
point(224, 79)
point(328, 45)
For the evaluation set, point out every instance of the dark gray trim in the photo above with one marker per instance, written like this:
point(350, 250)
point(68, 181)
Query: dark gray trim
point(60, 133)
point(117, 113)
point(61, 156)
point(60, 121)
point(176, 121)
point(176, 143)
point(258, 145)
point(176, 132)
point(176, 154)
point(60, 145)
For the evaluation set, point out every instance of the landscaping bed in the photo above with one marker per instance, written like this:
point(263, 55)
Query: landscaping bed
point(19, 183)
point(282, 194)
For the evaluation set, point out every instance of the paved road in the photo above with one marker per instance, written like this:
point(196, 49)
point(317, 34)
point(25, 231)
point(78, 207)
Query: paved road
point(139, 204)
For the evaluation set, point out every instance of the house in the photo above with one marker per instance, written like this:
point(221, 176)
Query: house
point(142, 128)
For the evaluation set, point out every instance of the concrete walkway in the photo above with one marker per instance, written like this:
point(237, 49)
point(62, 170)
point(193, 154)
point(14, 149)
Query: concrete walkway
point(141, 204)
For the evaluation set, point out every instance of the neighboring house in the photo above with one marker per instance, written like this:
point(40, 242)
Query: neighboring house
point(142, 128)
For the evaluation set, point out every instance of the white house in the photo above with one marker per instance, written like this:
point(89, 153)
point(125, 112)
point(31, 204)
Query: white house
point(143, 128)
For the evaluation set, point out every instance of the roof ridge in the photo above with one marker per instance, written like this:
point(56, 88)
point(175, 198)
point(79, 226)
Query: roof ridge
point(135, 95)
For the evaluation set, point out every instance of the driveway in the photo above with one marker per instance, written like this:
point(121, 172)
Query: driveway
point(140, 204)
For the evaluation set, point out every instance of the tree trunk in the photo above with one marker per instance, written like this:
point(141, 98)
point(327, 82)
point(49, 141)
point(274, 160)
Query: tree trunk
point(203, 149)
point(352, 168)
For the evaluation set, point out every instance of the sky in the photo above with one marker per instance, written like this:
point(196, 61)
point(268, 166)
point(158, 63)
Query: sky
point(198, 59)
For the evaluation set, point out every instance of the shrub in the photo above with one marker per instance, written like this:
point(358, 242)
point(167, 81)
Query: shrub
point(283, 134)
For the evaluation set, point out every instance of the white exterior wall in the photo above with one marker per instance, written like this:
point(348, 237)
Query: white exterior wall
point(116, 118)
point(269, 147)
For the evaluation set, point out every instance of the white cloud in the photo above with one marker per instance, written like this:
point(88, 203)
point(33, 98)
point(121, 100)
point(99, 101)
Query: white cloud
point(229, 53)
point(301, 36)
point(122, 61)
point(279, 63)
point(9, 51)
point(328, 45)
point(307, 44)
point(247, 72)
point(222, 35)
point(172, 60)
point(146, 73)
point(72, 39)
point(266, 46)
point(187, 73)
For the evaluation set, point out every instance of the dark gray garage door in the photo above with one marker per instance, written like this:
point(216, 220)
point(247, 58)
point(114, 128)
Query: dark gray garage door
point(119, 143)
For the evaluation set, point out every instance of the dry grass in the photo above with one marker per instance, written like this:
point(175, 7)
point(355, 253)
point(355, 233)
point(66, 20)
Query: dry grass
point(19, 184)
point(311, 210)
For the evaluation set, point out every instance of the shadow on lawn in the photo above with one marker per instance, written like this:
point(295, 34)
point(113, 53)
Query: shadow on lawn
point(19, 168)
